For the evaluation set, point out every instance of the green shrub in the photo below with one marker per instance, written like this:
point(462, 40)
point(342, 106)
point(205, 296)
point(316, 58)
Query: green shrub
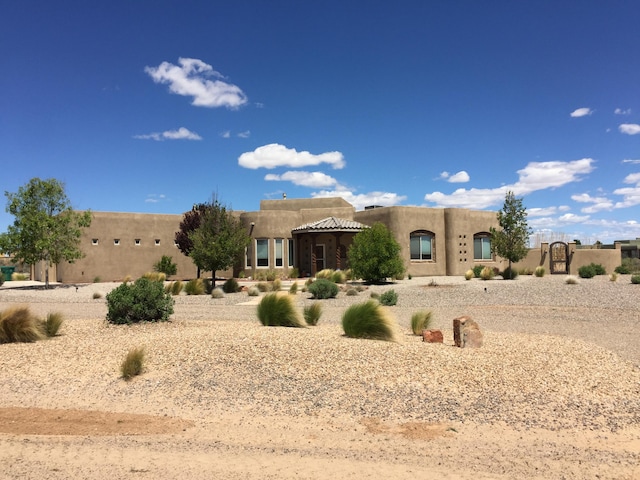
point(477, 270)
point(368, 320)
point(217, 293)
point(468, 275)
point(51, 324)
point(352, 292)
point(487, 273)
point(599, 269)
point(525, 271)
point(294, 273)
point(96, 280)
point(133, 363)
point(510, 273)
point(165, 265)
point(293, 289)
point(587, 271)
point(261, 276)
point(253, 291)
point(628, 266)
point(338, 277)
point(231, 286)
point(323, 289)
point(421, 320)
point(17, 324)
point(389, 298)
point(277, 310)
point(400, 276)
point(540, 271)
point(18, 277)
point(142, 301)
point(635, 279)
point(208, 285)
point(194, 286)
point(96, 295)
point(312, 313)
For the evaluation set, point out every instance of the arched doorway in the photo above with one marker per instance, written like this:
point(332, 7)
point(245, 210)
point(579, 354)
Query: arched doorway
point(559, 258)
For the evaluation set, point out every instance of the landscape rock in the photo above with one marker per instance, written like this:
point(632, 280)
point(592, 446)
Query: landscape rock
point(466, 332)
point(432, 336)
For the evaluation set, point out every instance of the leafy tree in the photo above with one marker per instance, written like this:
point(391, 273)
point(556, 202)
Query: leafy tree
point(165, 265)
point(511, 240)
point(45, 228)
point(374, 254)
point(219, 239)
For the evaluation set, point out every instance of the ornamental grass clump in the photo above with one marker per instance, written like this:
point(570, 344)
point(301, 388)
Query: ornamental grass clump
point(468, 275)
point(155, 276)
point(539, 271)
point(635, 279)
point(369, 320)
point(217, 293)
point(421, 320)
point(509, 273)
point(194, 286)
point(487, 273)
point(51, 324)
point(176, 287)
point(133, 363)
point(278, 310)
point(572, 281)
point(18, 324)
point(253, 291)
point(293, 289)
point(312, 313)
point(323, 289)
point(338, 277)
point(142, 301)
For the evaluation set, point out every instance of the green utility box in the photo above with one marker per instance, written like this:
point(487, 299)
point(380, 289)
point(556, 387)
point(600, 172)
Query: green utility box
point(7, 272)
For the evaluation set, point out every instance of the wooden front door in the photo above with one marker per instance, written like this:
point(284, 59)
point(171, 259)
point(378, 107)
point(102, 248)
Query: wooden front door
point(319, 255)
point(559, 257)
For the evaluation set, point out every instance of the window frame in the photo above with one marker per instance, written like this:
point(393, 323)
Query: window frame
point(259, 259)
point(420, 235)
point(483, 238)
point(278, 242)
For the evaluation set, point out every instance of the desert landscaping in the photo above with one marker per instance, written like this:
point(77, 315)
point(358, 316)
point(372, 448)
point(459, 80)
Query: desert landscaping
point(554, 391)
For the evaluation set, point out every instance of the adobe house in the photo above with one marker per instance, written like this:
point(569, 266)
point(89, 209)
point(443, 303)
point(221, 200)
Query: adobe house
point(306, 234)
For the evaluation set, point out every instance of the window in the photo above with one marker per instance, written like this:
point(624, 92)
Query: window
point(482, 247)
point(279, 242)
point(421, 245)
point(137, 241)
point(94, 241)
point(116, 241)
point(262, 252)
point(290, 251)
point(157, 241)
point(248, 256)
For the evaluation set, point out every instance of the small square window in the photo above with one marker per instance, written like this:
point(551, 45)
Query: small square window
point(157, 241)
point(94, 241)
point(176, 244)
point(116, 241)
point(137, 241)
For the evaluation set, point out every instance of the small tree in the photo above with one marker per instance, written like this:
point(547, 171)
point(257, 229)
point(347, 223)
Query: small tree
point(374, 254)
point(46, 228)
point(219, 240)
point(511, 240)
point(165, 265)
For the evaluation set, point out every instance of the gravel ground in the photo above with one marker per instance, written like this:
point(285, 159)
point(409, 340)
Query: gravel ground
point(556, 357)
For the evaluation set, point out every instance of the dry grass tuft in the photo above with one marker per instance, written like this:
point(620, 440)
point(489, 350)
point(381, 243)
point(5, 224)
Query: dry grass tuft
point(17, 324)
point(133, 363)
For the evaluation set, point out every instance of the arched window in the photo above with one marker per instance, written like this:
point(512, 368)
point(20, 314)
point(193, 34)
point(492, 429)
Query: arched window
point(422, 245)
point(482, 246)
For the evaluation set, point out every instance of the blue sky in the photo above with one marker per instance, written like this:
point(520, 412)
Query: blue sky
point(142, 106)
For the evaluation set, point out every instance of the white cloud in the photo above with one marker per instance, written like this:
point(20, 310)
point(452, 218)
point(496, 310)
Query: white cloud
point(245, 134)
point(226, 134)
point(631, 195)
point(597, 203)
point(620, 111)
point(155, 198)
point(460, 177)
point(275, 155)
point(629, 128)
point(444, 175)
point(179, 134)
point(535, 176)
point(628, 160)
point(581, 112)
point(305, 179)
point(570, 218)
point(191, 79)
point(385, 199)
point(542, 212)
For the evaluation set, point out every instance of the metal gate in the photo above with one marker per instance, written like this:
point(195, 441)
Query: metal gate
point(559, 257)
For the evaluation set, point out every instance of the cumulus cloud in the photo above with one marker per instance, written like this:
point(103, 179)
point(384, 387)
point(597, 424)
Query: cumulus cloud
point(621, 111)
point(629, 128)
point(542, 212)
point(305, 179)
point(275, 155)
point(535, 176)
point(194, 78)
point(581, 112)
point(630, 195)
point(361, 200)
point(597, 204)
point(460, 177)
point(179, 134)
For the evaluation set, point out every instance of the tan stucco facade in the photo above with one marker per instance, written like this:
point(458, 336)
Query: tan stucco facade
point(118, 245)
